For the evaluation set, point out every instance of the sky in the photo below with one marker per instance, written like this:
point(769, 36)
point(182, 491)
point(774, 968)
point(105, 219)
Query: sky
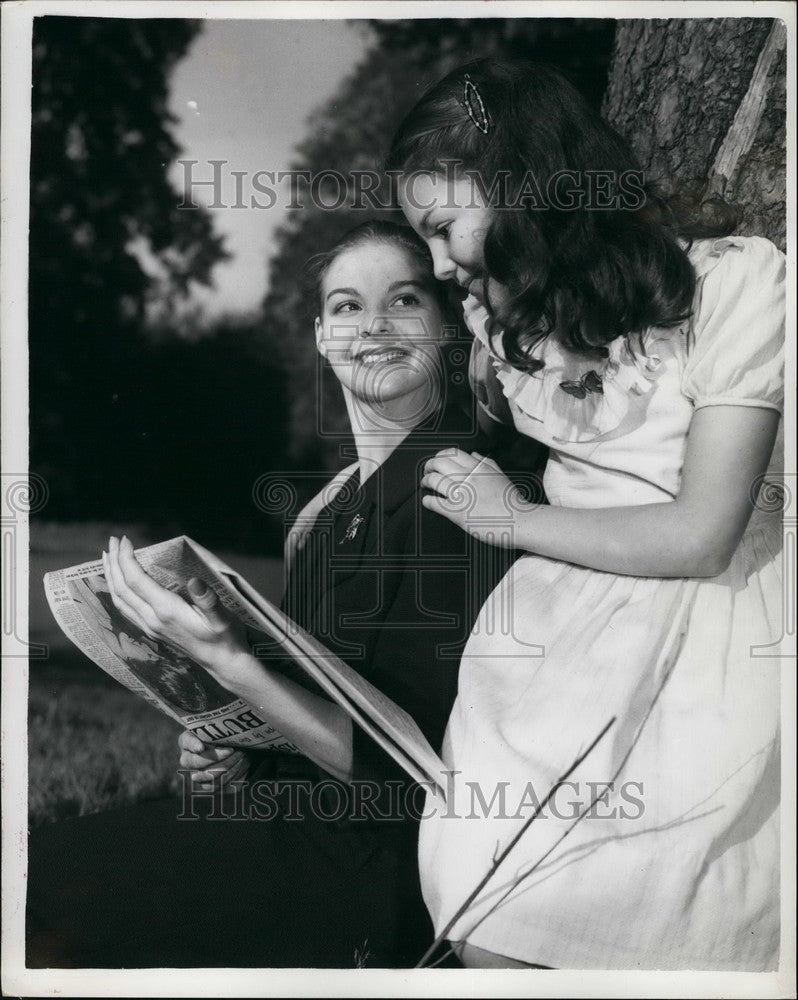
point(243, 94)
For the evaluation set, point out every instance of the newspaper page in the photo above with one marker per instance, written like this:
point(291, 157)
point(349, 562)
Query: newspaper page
point(164, 676)
point(388, 724)
point(167, 678)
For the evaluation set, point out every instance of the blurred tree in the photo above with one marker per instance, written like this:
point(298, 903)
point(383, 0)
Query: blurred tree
point(213, 426)
point(106, 242)
point(704, 100)
point(352, 132)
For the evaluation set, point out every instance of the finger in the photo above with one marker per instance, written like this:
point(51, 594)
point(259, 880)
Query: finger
point(124, 595)
point(444, 485)
point(141, 591)
point(298, 534)
point(109, 578)
point(202, 777)
point(443, 465)
point(204, 598)
point(452, 460)
point(450, 466)
point(214, 773)
point(193, 744)
point(456, 455)
point(195, 761)
point(122, 605)
point(291, 541)
point(200, 761)
point(290, 549)
point(189, 741)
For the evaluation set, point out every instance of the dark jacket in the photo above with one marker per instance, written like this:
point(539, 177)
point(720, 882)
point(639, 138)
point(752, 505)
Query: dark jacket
point(395, 588)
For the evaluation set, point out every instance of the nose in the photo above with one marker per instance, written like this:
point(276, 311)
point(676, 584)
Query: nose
point(380, 325)
point(442, 265)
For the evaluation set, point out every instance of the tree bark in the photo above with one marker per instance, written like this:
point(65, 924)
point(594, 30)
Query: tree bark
point(704, 100)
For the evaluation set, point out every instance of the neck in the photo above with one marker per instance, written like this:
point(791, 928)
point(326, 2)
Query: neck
point(379, 429)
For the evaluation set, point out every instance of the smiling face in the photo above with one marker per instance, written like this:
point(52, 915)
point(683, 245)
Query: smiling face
point(380, 323)
point(451, 216)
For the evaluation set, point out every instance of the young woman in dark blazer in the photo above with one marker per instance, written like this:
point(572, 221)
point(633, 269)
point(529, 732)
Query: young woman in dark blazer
point(317, 863)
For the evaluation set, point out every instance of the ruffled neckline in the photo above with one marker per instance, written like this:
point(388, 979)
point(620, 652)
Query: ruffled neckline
point(579, 398)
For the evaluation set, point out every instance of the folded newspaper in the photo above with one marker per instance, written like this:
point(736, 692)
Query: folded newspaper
point(167, 678)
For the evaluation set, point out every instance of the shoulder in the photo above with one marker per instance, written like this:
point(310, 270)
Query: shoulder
point(735, 255)
point(741, 285)
point(735, 336)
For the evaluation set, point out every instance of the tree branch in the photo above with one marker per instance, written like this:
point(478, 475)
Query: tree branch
point(745, 124)
point(498, 859)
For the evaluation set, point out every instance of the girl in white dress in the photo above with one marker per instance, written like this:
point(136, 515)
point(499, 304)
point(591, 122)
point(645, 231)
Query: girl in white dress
point(643, 345)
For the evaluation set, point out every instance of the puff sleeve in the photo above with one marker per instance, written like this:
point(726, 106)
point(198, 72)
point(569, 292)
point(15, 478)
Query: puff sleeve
point(735, 353)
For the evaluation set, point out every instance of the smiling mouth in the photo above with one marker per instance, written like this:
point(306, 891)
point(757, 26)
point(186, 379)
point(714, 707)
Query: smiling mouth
point(381, 356)
point(473, 286)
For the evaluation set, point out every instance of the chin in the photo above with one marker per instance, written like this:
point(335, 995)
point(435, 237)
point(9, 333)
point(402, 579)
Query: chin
point(390, 389)
point(395, 380)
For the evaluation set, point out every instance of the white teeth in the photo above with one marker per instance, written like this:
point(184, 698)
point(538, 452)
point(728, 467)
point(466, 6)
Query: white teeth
point(377, 358)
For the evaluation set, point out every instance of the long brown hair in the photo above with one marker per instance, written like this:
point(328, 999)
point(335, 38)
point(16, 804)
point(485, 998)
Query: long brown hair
point(583, 274)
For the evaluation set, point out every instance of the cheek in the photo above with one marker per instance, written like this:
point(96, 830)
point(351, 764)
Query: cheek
point(478, 241)
point(430, 335)
point(467, 247)
point(337, 336)
point(476, 234)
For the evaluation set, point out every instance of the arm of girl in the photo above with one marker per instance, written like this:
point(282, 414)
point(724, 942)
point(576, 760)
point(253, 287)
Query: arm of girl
point(695, 535)
point(319, 728)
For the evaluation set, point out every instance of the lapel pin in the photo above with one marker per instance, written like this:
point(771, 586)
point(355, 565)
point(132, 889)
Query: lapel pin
point(352, 529)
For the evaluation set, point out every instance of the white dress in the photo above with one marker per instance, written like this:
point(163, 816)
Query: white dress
point(679, 867)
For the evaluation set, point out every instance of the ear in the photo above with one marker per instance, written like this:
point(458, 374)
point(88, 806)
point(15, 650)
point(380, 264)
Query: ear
point(321, 344)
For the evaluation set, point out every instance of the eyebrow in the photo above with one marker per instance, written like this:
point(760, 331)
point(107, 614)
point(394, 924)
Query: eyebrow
point(425, 218)
point(341, 291)
point(403, 283)
point(414, 282)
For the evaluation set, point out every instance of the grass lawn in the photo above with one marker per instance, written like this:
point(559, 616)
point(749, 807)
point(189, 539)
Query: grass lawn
point(92, 745)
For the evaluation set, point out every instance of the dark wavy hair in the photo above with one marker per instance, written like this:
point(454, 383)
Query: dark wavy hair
point(584, 275)
point(454, 356)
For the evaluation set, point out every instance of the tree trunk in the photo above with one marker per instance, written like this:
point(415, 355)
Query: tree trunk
point(705, 100)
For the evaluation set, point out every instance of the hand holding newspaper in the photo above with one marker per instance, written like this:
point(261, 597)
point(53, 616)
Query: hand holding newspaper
point(169, 679)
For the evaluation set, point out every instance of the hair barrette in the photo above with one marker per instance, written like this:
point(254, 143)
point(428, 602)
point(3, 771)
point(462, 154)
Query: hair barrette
point(471, 95)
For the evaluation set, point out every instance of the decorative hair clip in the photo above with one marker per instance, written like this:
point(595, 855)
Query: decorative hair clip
point(471, 95)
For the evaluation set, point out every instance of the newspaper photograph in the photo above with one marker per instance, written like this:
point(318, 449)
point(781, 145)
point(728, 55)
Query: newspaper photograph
point(155, 670)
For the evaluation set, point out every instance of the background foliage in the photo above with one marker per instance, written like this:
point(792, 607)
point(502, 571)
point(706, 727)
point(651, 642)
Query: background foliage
point(130, 419)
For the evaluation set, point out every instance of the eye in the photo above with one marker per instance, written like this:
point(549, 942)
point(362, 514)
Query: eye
point(407, 299)
point(345, 307)
point(443, 230)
